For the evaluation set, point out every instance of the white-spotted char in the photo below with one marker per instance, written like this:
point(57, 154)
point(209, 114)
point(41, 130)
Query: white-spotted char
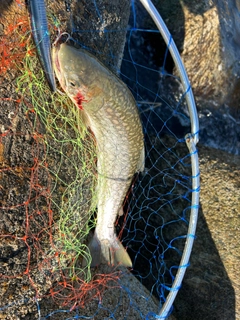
point(111, 113)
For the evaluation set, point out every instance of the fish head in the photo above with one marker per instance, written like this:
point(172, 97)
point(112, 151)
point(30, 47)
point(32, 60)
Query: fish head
point(74, 71)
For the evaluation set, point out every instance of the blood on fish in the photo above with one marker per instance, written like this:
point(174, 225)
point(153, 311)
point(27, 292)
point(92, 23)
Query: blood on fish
point(79, 98)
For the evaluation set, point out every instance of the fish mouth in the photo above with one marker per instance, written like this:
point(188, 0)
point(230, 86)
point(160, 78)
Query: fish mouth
point(56, 48)
point(57, 63)
point(62, 38)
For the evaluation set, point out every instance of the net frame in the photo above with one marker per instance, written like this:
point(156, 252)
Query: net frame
point(191, 141)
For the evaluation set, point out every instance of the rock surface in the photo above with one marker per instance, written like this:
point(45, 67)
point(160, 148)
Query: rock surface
point(211, 287)
point(207, 36)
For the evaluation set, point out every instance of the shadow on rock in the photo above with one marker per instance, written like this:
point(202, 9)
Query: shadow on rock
point(207, 292)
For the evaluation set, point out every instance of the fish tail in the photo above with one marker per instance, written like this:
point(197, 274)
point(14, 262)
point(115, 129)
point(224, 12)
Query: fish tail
point(120, 256)
point(106, 253)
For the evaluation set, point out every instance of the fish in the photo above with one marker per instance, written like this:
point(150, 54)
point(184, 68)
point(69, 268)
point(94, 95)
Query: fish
point(41, 38)
point(111, 113)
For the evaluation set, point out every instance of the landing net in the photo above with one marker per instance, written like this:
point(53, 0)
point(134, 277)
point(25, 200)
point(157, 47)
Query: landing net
point(48, 181)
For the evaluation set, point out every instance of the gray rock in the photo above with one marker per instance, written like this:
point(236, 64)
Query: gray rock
point(211, 287)
point(207, 35)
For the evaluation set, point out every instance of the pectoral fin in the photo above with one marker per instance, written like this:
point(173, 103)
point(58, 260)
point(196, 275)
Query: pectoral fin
point(141, 162)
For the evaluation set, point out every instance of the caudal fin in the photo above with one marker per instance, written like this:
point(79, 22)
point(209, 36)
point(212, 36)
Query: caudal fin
point(106, 252)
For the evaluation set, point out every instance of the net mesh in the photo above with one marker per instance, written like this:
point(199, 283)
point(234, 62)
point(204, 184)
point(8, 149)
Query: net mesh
point(48, 187)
